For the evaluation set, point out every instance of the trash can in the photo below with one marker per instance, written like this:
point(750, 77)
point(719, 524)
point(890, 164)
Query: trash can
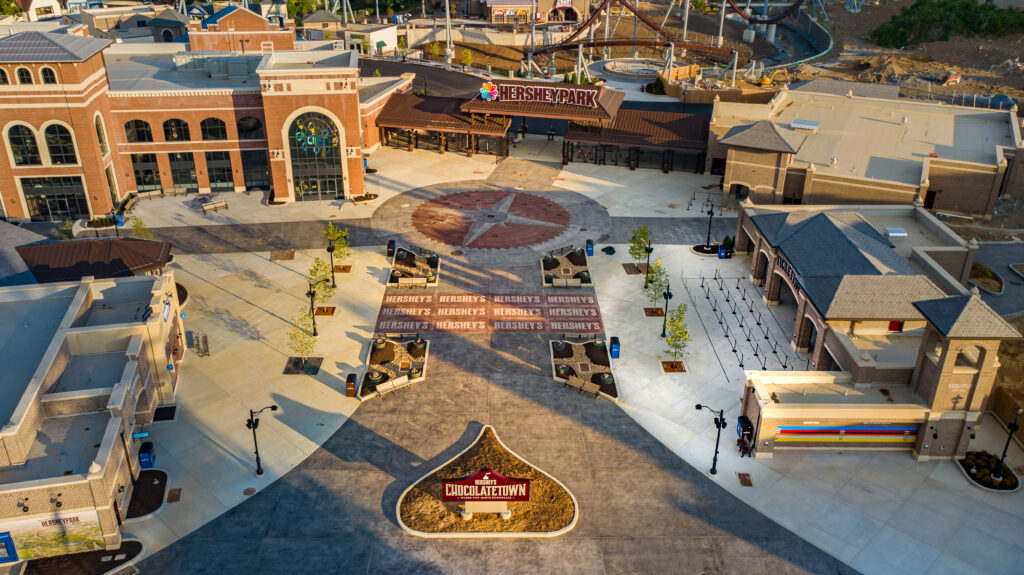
point(615, 347)
point(590, 248)
point(350, 385)
point(391, 248)
point(147, 458)
point(744, 427)
point(723, 252)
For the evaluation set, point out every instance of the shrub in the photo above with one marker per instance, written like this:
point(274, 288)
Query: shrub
point(659, 86)
point(915, 24)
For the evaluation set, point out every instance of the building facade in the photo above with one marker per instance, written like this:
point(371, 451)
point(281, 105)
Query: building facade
point(900, 355)
point(85, 123)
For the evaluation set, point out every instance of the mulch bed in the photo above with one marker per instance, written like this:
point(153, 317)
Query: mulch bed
point(572, 265)
point(282, 255)
point(147, 493)
point(409, 265)
point(595, 358)
point(984, 463)
point(673, 367)
point(342, 269)
point(386, 361)
point(550, 507)
point(654, 312)
point(706, 250)
point(327, 310)
point(87, 563)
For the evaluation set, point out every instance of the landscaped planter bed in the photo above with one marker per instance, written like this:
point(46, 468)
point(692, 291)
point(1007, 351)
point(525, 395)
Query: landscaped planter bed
point(571, 266)
point(551, 510)
point(978, 467)
point(589, 361)
point(391, 360)
point(409, 268)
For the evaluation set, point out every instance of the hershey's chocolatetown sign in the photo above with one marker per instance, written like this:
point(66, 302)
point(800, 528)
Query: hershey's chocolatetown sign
point(486, 485)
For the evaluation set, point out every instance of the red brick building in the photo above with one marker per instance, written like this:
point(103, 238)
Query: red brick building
point(84, 122)
point(235, 29)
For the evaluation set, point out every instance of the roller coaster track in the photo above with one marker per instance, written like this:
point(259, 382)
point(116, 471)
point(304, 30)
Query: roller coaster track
point(773, 20)
point(569, 43)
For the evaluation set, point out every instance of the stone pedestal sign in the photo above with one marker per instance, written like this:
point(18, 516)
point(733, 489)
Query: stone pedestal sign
point(487, 491)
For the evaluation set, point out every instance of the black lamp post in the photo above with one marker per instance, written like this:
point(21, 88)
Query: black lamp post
point(711, 214)
point(311, 294)
point(646, 269)
point(667, 294)
point(997, 474)
point(720, 425)
point(252, 423)
point(330, 252)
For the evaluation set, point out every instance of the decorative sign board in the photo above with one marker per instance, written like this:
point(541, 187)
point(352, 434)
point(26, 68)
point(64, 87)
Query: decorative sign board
point(486, 485)
point(547, 94)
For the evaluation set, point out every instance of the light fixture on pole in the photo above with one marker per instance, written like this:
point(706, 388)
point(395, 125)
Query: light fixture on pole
point(252, 423)
point(330, 252)
point(997, 473)
point(720, 425)
point(667, 294)
point(647, 267)
point(311, 294)
point(711, 215)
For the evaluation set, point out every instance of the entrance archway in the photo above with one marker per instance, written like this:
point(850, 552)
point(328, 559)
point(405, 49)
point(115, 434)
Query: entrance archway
point(760, 268)
point(563, 15)
point(316, 158)
point(168, 36)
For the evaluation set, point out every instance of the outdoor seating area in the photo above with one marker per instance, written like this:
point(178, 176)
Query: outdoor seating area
point(213, 206)
point(584, 366)
point(392, 365)
point(565, 267)
point(415, 267)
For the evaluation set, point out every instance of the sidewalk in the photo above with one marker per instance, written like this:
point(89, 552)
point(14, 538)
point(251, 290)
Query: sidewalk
point(882, 513)
point(242, 303)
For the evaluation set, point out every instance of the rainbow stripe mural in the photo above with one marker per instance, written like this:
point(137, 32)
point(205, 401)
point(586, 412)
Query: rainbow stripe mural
point(846, 433)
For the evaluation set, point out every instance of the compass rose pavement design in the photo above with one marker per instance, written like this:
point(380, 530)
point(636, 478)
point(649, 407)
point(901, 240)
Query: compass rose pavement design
point(490, 219)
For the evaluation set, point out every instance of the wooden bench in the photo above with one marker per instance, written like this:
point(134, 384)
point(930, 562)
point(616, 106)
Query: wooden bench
point(214, 206)
point(402, 335)
point(566, 282)
point(412, 282)
point(579, 336)
point(129, 202)
point(583, 385)
point(176, 192)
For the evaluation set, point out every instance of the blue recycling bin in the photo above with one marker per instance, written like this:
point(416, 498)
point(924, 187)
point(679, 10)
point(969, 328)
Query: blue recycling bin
point(615, 347)
point(743, 424)
point(147, 457)
point(723, 252)
point(119, 220)
point(590, 248)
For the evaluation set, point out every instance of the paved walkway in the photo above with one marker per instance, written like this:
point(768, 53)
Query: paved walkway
point(642, 509)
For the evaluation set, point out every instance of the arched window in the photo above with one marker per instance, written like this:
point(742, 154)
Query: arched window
point(316, 158)
point(3, 77)
point(24, 76)
point(250, 128)
point(101, 136)
point(137, 131)
point(48, 75)
point(214, 129)
point(23, 146)
point(175, 130)
point(168, 36)
point(60, 145)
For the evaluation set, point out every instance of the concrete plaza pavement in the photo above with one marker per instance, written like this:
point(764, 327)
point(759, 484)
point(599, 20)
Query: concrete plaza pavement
point(865, 509)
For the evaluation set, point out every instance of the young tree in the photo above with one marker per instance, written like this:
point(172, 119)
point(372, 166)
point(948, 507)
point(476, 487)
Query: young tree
point(300, 335)
point(401, 44)
point(376, 72)
point(435, 49)
point(140, 230)
point(565, 78)
point(657, 281)
point(467, 57)
point(638, 244)
point(677, 334)
point(338, 237)
point(320, 277)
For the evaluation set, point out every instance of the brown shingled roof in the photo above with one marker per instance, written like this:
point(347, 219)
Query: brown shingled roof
point(100, 258)
point(646, 129)
point(885, 297)
point(438, 114)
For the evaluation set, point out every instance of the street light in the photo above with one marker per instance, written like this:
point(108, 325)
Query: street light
point(720, 424)
point(647, 269)
point(997, 474)
point(711, 214)
point(311, 294)
point(252, 423)
point(330, 252)
point(667, 294)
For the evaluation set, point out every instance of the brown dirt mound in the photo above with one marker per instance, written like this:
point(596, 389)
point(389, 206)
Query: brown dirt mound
point(550, 507)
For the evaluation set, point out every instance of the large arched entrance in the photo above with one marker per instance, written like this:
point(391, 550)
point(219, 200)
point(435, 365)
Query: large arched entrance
point(316, 158)
point(563, 15)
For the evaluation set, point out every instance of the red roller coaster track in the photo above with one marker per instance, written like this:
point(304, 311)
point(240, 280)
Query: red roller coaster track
point(773, 20)
point(569, 43)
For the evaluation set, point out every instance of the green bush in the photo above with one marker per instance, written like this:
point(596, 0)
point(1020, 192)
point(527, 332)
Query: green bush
point(929, 20)
point(659, 86)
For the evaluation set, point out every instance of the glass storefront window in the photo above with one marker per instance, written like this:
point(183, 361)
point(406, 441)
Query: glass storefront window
point(55, 199)
point(316, 157)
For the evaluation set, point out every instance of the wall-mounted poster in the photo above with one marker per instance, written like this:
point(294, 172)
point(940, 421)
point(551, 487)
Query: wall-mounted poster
point(55, 534)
